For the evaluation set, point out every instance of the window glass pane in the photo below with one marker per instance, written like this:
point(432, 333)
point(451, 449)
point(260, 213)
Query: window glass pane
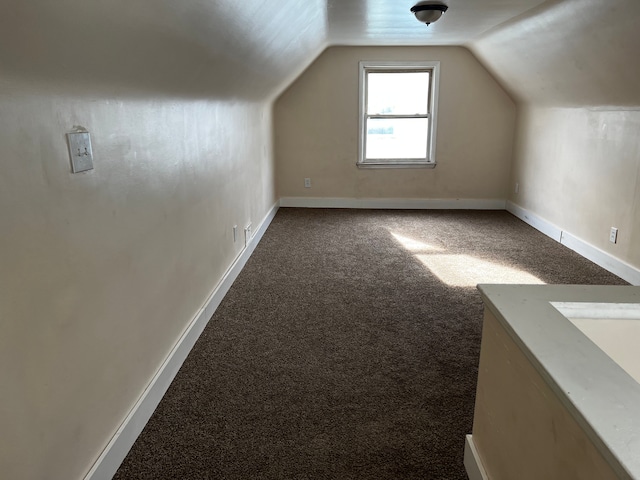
point(397, 138)
point(397, 93)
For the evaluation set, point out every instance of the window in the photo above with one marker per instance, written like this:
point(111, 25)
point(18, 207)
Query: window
point(398, 108)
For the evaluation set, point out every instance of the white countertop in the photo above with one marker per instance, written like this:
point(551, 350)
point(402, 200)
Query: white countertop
point(602, 397)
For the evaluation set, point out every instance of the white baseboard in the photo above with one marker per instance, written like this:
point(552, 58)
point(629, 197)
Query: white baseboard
point(472, 463)
point(116, 450)
point(607, 261)
point(602, 258)
point(548, 228)
point(396, 203)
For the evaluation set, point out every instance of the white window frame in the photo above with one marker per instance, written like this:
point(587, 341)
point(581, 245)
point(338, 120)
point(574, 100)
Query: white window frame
point(377, 66)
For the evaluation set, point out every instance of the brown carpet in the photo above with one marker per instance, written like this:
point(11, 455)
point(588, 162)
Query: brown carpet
point(339, 354)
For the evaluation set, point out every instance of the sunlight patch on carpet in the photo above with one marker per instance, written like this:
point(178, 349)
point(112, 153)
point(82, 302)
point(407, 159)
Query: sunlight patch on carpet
point(415, 245)
point(468, 271)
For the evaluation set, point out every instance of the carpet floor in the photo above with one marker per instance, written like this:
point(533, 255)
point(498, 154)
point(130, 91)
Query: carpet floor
point(347, 348)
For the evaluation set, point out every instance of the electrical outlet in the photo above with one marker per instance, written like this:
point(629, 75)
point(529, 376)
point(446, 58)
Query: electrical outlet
point(247, 235)
point(307, 183)
point(613, 235)
point(235, 233)
point(516, 189)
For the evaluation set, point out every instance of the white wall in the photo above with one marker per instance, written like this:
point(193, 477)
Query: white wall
point(579, 168)
point(316, 131)
point(100, 272)
point(573, 68)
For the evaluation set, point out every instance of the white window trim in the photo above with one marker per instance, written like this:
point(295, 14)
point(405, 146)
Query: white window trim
point(430, 161)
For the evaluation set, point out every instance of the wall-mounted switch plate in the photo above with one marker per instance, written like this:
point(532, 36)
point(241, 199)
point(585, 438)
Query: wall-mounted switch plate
point(80, 152)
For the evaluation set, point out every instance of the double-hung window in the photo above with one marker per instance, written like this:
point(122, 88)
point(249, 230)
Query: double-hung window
point(398, 110)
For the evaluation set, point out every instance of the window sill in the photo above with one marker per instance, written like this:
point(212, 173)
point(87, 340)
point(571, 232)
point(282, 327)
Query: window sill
point(396, 165)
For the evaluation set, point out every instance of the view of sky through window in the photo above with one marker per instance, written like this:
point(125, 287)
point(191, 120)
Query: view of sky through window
point(397, 93)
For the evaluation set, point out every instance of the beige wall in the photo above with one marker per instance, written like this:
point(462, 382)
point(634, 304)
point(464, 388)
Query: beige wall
point(316, 131)
point(572, 66)
point(100, 272)
point(580, 169)
point(521, 429)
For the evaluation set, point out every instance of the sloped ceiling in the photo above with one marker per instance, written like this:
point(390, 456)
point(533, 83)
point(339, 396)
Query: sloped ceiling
point(557, 52)
point(569, 53)
point(220, 48)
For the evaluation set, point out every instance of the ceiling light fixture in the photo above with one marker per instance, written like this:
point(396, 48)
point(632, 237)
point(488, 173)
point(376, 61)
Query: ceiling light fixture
point(428, 11)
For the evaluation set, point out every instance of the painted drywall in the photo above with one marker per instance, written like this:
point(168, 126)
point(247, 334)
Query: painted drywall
point(513, 397)
point(201, 48)
point(572, 67)
point(100, 272)
point(316, 131)
point(569, 53)
point(579, 168)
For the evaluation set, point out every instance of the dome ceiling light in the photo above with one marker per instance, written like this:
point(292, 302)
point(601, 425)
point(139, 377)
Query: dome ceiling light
point(428, 11)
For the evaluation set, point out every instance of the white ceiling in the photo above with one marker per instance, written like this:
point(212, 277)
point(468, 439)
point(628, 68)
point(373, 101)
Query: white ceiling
point(564, 53)
point(570, 53)
point(559, 52)
point(390, 22)
point(193, 48)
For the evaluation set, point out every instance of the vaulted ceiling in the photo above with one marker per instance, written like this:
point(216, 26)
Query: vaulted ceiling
point(390, 22)
point(566, 52)
point(569, 53)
